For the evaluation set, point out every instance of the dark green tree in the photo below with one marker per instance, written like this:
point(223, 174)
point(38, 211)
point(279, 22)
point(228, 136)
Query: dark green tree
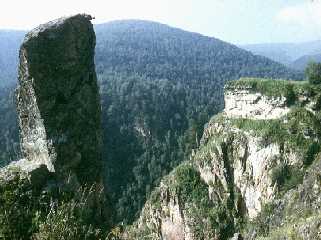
point(313, 73)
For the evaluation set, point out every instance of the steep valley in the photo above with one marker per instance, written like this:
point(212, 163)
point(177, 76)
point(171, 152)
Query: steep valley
point(159, 86)
point(254, 176)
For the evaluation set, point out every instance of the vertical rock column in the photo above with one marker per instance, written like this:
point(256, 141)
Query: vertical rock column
point(58, 100)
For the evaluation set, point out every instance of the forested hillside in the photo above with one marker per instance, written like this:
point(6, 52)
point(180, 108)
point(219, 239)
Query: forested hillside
point(159, 86)
point(9, 142)
point(301, 63)
point(9, 45)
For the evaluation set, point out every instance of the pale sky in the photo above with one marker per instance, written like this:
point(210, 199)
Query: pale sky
point(236, 21)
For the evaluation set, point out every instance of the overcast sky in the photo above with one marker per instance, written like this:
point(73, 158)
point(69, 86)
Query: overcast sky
point(236, 21)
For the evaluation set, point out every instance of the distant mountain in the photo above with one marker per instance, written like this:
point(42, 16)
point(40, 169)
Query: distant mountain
point(301, 63)
point(9, 46)
point(159, 85)
point(285, 53)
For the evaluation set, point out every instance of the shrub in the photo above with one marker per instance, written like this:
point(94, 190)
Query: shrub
point(66, 222)
point(27, 212)
point(72, 219)
point(287, 177)
point(20, 209)
point(313, 73)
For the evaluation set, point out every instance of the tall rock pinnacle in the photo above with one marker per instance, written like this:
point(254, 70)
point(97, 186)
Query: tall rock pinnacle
point(58, 100)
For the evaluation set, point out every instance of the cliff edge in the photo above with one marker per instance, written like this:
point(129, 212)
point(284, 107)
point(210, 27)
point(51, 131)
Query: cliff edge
point(255, 156)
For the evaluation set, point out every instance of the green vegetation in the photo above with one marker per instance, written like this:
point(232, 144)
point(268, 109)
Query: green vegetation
point(9, 140)
point(274, 88)
point(188, 185)
point(34, 213)
point(300, 129)
point(294, 215)
point(20, 210)
point(69, 220)
point(291, 90)
point(287, 177)
point(159, 86)
point(261, 223)
point(193, 193)
point(207, 218)
point(269, 130)
point(313, 73)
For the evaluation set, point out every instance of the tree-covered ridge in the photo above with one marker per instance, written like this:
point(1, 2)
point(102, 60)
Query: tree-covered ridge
point(9, 140)
point(159, 86)
point(159, 51)
point(149, 127)
point(9, 45)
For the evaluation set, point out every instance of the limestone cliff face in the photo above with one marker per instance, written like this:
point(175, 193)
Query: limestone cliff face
point(244, 104)
point(253, 152)
point(246, 100)
point(58, 102)
point(243, 162)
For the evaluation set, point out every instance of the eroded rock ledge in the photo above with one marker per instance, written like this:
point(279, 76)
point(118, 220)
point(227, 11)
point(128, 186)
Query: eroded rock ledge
point(264, 99)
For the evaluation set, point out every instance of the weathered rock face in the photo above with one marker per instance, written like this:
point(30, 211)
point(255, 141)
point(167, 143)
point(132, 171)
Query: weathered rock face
point(58, 102)
point(241, 163)
point(269, 101)
point(244, 104)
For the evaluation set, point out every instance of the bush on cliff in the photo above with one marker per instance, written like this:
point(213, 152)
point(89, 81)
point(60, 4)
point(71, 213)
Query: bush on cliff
point(27, 212)
point(313, 73)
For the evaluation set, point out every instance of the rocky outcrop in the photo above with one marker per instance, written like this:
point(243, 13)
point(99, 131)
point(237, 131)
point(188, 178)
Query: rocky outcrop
point(245, 162)
point(255, 151)
point(58, 102)
point(294, 215)
point(244, 104)
point(181, 209)
point(60, 133)
point(240, 163)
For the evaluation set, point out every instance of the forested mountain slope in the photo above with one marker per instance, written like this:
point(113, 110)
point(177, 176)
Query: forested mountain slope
point(9, 45)
point(301, 63)
point(159, 86)
point(159, 51)
point(9, 142)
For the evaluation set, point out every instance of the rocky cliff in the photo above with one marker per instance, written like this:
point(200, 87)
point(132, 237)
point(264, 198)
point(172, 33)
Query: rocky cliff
point(58, 101)
point(253, 155)
point(60, 129)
